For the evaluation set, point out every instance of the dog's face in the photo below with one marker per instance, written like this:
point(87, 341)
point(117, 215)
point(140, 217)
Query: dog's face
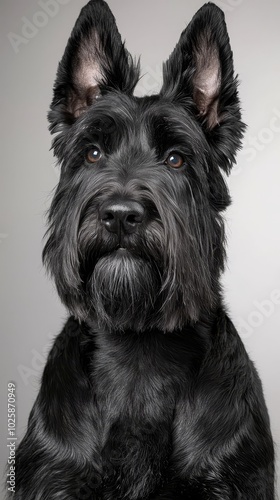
point(136, 235)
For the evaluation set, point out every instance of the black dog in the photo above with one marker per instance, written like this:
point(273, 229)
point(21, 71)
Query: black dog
point(148, 392)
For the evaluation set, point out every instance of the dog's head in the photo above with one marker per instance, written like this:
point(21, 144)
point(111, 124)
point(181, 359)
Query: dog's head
point(136, 237)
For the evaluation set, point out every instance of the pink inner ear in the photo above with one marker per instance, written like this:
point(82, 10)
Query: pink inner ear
point(88, 71)
point(207, 81)
point(87, 75)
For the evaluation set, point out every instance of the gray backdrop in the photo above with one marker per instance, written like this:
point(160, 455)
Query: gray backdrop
point(34, 34)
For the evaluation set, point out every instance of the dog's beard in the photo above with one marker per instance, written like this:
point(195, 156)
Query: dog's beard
point(124, 289)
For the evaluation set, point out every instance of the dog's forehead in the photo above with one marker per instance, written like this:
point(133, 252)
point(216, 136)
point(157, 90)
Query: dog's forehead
point(150, 120)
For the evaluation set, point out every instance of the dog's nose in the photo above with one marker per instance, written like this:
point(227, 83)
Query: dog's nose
point(123, 215)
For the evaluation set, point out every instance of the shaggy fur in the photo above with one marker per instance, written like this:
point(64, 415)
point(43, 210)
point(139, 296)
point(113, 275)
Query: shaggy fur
point(148, 392)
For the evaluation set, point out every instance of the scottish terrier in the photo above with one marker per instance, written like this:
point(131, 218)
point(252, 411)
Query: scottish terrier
point(148, 392)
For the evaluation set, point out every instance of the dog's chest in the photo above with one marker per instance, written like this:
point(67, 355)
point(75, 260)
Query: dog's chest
point(132, 381)
point(140, 377)
point(135, 395)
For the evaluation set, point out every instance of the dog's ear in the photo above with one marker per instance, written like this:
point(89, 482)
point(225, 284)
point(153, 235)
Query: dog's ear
point(95, 60)
point(201, 64)
point(199, 73)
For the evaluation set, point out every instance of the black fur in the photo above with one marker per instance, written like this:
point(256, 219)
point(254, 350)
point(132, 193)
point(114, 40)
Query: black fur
point(148, 392)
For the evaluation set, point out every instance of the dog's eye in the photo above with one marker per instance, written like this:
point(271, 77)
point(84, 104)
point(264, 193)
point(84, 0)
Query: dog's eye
point(174, 160)
point(93, 155)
